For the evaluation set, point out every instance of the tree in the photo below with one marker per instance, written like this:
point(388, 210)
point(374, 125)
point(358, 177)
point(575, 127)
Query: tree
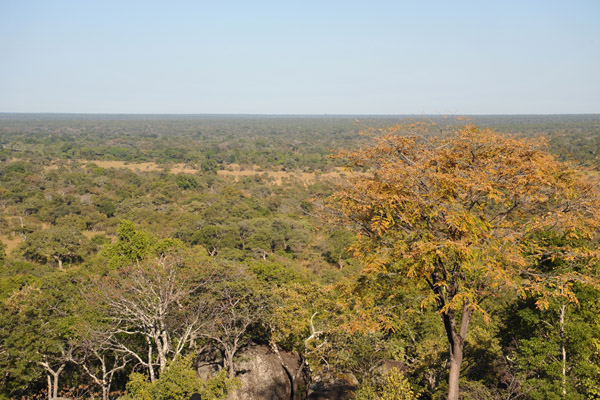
point(107, 207)
point(2, 253)
point(394, 387)
point(187, 182)
point(37, 335)
point(157, 307)
point(461, 214)
point(95, 356)
point(57, 243)
point(236, 305)
point(131, 245)
point(134, 245)
point(216, 238)
point(291, 323)
point(554, 352)
point(256, 236)
point(335, 247)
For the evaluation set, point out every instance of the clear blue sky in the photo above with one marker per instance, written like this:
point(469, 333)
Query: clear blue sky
point(300, 57)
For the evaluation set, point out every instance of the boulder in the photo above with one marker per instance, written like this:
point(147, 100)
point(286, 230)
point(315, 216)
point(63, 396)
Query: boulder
point(385, 366)
point(208, 363)
point(338, 390)
point(259, 371)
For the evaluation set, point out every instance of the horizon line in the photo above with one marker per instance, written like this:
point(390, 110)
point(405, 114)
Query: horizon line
point(293, 114)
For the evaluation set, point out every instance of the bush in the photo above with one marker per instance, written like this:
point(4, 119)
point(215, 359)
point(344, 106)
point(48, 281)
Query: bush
point(178, 382)
point(393, 387)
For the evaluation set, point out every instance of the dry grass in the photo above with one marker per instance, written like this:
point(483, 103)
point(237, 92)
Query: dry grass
point(146, 166)
point(231, 171)
point(11, 242)
point(91, 234)
point(279, 177)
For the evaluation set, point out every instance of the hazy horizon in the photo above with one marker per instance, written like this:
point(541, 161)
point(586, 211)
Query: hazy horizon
point(225, 114)
point(199, 116)
point(309, 58)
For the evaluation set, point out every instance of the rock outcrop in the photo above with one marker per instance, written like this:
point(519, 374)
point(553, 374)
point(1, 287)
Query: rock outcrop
point(260, 373)
point(339, 390)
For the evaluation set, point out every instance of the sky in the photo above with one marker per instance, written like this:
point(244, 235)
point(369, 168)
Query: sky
point(300, 57)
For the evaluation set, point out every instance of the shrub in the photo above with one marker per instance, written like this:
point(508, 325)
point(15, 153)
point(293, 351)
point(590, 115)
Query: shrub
point(394, 386)
point(178, 382)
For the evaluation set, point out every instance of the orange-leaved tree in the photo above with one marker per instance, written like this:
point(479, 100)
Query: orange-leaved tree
point(464, 215)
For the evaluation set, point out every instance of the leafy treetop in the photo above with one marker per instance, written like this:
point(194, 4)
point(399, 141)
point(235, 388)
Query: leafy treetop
point(465, 212)
point(464, 215)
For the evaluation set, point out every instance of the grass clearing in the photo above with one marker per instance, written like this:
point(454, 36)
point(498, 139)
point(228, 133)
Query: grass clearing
point(231, 171)
point(11, 242)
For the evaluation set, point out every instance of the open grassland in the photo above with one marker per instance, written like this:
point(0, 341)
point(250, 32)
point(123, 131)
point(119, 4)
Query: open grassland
point(231, 171)
point(11, 242)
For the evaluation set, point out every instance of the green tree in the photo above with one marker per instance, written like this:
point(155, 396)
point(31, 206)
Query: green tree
point(59, 244)
point(135, 245)
point(335, 247)
point(216, 238)
point(555, 352)
point(237, 303)
point(37, 337)
point(2, 253)
point(131, 244)
point(178, 383)
point(256, 236)
point(186, 182)
point(292, 325)
point(394, 386)
point(107, 207)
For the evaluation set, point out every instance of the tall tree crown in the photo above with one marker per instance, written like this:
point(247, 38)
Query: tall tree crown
point(465, 211)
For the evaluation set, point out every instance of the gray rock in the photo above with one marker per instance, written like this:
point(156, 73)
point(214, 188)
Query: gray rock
point(386, 366)
point(339, 390)
point(208, 363)
point(259, 372)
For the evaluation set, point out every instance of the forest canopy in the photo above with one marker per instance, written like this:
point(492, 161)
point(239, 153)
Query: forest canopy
point(153, 257)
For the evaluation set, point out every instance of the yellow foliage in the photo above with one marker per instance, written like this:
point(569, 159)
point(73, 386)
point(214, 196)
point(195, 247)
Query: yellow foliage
point(465, 210)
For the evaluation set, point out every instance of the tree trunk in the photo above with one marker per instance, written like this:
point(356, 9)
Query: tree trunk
point(55, 389)
point(294, 389)
point(150, 366)
point(293, 377)
point(456, 339)
point(53, 377)
point(563, 349)
point(456, 355)
point(105, 383)
point(161, 342)
point(56, 379)
point(49, 386)
point(230, 367)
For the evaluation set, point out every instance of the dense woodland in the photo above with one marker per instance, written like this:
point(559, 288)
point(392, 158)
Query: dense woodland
point(133, 246)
